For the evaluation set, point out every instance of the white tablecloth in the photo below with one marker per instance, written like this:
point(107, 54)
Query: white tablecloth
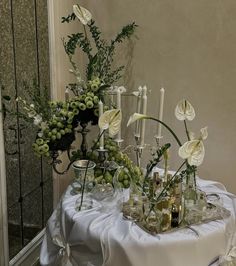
point(96, 238)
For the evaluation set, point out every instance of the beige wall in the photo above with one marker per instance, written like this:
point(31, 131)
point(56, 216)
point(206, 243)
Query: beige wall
point(189, 47)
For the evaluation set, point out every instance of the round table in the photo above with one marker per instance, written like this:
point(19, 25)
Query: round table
point(96, 237)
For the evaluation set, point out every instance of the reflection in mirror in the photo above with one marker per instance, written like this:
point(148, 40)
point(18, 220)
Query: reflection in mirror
point(24, 57)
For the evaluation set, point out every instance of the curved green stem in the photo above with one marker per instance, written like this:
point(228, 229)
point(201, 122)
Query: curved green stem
point(186, 129)
point(166, 126)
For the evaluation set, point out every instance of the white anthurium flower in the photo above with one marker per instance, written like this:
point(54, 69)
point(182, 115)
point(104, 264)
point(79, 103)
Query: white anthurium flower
point(184, 110)
point(194, 150)
point(110, 120)
point(136, 116)
point(82, 14)
point(37, 120)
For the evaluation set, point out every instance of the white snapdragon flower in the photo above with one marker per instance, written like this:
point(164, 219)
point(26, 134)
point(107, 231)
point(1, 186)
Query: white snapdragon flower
point(184, 110)
point(193, 150)
point(110, 120)
point(82, 14)
point(37, 120)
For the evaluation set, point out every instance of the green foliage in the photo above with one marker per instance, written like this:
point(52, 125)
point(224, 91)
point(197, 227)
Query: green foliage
point(156, 157)
point(39, 96)
point(69, 18)
point(101, 54)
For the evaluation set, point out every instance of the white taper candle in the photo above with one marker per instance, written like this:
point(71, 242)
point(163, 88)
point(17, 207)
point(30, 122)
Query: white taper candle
point(161, 108)
point(144, 111)
point(138, 110)
point(67, 96)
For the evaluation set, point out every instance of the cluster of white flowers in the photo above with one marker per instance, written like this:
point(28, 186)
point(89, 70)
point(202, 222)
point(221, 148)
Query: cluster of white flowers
point(31, 112)
point(193, 150)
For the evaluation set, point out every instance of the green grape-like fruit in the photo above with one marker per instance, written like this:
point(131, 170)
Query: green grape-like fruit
point(69, 126)
point(73, 105)
point(49, 134)
point(54, 122)
point(68, 130)
point(106, 108)
point(96, 112)
point(53, 137)
point(54, 131)
point(89, 104)
point(62, 131)
point(87, 99)
point(82, 106)
point(94, 87)
point(97, 81)
point(39, 141)
point(82, 97)
point(108, 177)
point(70, 114)
point(76, 111)
point(90, 94)
point(126, 183)
point(53, 104)
point(70, 120)
point(45, 148)
point(60, 125)
point(41, 150)
point(35, 147)
point(58, 135)
point(96, 99)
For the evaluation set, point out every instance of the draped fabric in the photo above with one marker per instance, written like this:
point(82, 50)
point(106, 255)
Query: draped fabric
point(98, 237)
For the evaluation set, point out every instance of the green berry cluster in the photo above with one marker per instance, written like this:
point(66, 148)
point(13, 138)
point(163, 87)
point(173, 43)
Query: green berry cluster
point(129, 173)
point(87, 100)
point(94, 84)
point(59, 125)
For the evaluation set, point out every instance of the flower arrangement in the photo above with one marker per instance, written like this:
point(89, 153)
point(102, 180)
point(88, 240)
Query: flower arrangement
point(57, 120)
point(160, 196)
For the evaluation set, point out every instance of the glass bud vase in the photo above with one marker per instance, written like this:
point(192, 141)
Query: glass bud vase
point(189, 200)
point(84, 174)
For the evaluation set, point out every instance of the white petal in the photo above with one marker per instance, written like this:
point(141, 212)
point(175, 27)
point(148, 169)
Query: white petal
point(191, 135)
point(135, 117)
point(184, 110)
point(204, 133)
point(110, 119)
point(82, 14)
point(136, 93)
point(198, 155)
point(193, 151)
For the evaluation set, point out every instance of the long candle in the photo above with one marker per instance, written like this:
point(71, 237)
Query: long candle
point(118, 106)
point(144, 111)
point(138, 110)
point(101, 142)
point(67, 95)
point(161, 107)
